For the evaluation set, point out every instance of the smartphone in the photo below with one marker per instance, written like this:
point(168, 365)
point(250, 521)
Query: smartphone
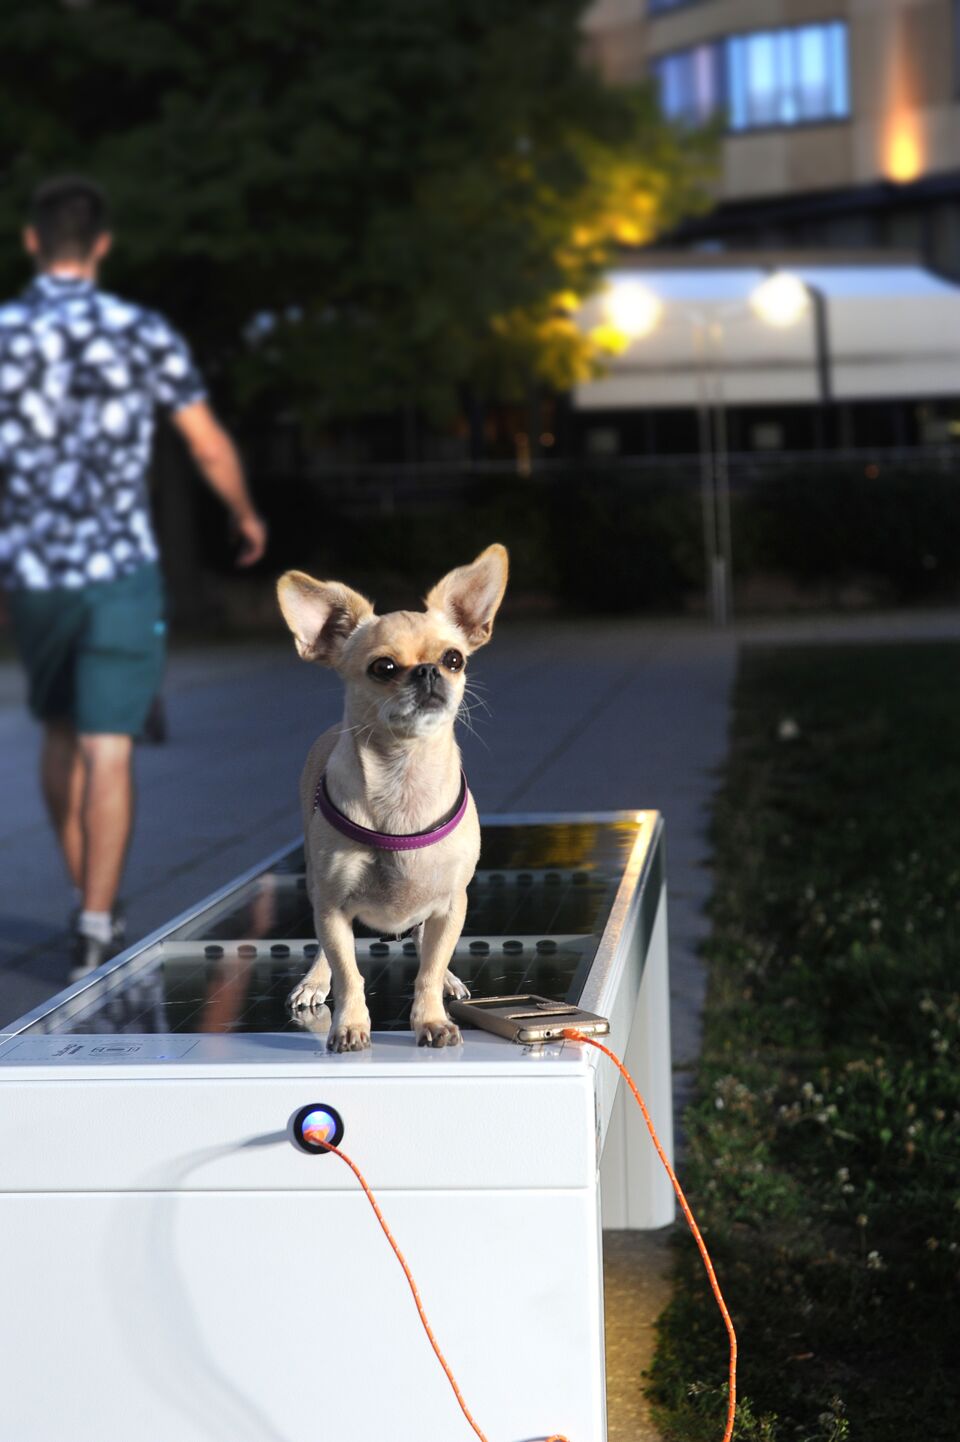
point(525, 1019)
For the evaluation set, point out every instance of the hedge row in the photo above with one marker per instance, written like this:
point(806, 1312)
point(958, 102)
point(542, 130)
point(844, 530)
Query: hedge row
point(627, 541)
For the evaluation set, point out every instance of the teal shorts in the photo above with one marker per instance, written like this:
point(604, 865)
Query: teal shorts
point(93, 655)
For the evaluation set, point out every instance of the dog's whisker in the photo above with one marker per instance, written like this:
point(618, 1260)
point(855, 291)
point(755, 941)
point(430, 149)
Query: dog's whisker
point(470, 706)
point(357, 730)
point(464, 716)
point(472, 700)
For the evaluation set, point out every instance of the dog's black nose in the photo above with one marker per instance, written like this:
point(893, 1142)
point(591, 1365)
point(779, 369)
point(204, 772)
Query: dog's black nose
point(426, 673)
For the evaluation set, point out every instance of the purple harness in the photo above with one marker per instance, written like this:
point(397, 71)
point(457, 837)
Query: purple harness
point(382, 840)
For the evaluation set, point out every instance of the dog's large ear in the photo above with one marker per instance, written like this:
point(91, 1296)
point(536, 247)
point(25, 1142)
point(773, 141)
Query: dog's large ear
point(470, 596)
point(321, 614)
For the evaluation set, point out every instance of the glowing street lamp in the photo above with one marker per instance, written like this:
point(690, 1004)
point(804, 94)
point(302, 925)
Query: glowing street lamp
point(780, 300)
point(632, 308)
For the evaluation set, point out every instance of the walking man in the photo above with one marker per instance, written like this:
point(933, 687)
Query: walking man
point(81, 375)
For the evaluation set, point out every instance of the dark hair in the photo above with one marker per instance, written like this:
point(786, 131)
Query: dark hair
point(68, 213)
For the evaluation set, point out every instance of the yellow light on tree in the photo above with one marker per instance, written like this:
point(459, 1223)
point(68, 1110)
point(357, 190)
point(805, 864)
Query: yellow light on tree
point(780, 300)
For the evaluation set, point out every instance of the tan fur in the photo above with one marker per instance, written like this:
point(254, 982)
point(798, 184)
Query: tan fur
point(393, 765)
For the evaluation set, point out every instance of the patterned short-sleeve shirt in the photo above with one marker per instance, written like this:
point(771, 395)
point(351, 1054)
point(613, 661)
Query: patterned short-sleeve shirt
point(81, 373)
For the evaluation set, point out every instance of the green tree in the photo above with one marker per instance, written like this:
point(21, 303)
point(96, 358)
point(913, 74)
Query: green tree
point(406, 193)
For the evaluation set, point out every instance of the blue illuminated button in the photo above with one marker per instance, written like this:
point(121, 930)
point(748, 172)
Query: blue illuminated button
point(315, 1127)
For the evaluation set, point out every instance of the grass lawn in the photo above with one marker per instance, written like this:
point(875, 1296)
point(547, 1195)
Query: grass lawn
point(824, 1152)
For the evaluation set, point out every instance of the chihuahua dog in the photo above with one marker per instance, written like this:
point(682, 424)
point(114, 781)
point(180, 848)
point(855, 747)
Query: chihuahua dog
point(391, 832)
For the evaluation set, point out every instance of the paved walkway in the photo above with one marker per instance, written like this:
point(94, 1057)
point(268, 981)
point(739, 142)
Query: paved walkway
point(582, 716)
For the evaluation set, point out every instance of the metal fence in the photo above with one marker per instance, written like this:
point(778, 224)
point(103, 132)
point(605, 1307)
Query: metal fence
point(750, 531)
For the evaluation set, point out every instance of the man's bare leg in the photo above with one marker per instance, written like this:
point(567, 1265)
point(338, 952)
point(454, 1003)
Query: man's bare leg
point(63, 779)
point(106, 817)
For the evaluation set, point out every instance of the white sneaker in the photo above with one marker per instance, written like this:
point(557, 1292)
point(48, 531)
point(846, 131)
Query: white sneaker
point(89, 953)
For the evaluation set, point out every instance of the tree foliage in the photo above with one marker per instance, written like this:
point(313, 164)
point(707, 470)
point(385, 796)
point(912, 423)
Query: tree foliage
point(402, 191)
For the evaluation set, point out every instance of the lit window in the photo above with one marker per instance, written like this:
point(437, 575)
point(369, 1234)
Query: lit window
point(768, 78)
point(689, 82)
point(787, 77)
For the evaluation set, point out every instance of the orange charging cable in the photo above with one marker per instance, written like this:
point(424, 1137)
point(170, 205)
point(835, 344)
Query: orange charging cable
point(571, 1034)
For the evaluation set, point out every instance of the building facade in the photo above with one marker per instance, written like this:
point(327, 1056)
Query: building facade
point(839, 119)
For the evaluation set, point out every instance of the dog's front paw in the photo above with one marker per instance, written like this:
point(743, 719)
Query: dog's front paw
point(441, 1032)
point(350, 1033)
point(308, 995)
point(453, 986)
point(315, 1019)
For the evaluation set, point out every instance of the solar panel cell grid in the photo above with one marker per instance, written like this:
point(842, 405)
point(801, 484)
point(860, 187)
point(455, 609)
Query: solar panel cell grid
point(529, 927)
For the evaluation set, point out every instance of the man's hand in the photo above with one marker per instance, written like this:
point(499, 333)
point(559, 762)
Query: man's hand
point(216, 456)
point(253, 534)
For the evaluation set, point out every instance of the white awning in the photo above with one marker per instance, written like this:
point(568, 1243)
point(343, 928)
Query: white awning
point(889, 330)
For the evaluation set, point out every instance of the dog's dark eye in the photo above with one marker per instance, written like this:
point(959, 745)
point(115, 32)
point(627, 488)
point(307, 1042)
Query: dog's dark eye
point(452, 660)
point(383, 669)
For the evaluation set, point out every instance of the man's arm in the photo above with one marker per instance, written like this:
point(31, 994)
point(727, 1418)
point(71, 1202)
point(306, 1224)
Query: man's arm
point(217, 458)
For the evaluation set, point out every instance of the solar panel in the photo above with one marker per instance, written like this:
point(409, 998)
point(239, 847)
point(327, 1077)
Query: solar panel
point(536, 910)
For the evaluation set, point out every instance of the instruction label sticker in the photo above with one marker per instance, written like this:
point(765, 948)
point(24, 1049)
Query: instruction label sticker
point(102, 1050)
